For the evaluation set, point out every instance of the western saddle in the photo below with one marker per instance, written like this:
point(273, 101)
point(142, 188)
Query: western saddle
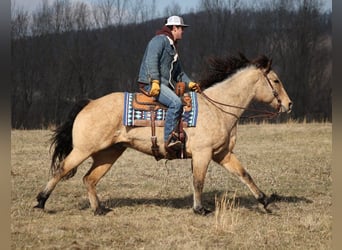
point(142, 101)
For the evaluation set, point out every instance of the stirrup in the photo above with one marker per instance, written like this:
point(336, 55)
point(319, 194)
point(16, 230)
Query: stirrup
point(175, 145)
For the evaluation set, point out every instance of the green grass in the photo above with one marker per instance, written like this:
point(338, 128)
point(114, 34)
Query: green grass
point(152, 201)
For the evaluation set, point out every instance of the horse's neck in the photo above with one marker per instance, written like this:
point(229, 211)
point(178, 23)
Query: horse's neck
point(237, 90)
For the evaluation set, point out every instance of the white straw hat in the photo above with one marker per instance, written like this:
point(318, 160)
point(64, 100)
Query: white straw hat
point(175, 20)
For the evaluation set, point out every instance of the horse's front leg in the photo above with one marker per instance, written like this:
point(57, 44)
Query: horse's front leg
point(232, 164)
point(199, 164)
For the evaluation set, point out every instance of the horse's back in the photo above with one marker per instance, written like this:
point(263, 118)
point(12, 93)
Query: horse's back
point(110, 99)
point(104, 104)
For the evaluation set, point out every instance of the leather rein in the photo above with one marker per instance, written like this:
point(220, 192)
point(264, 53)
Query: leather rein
point(264, 113)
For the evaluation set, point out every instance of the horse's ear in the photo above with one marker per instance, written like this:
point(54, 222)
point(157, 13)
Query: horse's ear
point(268, 67)
point(243, 57)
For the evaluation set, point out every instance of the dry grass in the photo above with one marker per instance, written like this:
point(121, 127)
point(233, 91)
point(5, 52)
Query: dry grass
point(151, 200)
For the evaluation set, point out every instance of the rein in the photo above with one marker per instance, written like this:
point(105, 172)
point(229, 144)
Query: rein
point(264, 113)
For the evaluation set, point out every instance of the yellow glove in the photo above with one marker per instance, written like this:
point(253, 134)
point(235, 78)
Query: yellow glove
point(155, 88)
point(194, 86)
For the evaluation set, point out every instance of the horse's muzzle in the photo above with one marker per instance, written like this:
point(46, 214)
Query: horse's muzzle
point(287, 109)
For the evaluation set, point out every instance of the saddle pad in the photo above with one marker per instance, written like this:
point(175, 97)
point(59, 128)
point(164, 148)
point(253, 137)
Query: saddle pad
point(134, 117)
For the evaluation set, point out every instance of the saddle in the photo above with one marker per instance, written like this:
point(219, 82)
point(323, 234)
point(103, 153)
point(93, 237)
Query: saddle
point(143, 102)
point(147, 103)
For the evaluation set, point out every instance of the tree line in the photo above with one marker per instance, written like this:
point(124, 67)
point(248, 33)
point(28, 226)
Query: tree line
point(65, 52)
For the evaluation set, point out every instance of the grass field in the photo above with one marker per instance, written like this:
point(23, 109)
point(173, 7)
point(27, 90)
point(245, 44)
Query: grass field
point(151, 201)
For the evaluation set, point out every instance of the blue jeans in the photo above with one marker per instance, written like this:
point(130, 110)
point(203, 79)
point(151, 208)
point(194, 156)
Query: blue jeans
point(175, 108)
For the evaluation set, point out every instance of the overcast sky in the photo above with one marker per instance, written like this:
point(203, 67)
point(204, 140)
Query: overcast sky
point(186, 5)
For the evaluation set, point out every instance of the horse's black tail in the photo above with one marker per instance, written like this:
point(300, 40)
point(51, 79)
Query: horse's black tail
point(61, 140)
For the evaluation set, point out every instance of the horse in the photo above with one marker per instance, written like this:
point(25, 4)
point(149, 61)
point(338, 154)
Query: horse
point(94, 128)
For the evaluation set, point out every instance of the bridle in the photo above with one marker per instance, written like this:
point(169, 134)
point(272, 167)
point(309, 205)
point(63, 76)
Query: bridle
point(275, 93)
point(262, 113)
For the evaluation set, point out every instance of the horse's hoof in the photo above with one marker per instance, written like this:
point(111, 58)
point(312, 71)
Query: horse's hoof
point(265, 201)
point(102, 211)
point(41, 198)
point(39, 205)
point(202, 211)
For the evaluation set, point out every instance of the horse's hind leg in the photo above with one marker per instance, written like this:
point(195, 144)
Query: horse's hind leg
point(103, 161)
point(232, 164)
point(74, 159)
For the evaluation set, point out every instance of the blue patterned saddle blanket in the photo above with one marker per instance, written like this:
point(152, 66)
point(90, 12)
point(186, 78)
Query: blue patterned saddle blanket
point(140, 117)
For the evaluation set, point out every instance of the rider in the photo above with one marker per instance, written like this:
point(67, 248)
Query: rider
point(161, 69)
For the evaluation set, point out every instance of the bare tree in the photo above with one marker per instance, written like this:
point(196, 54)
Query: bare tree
point(102, 12)
point(139, 11)
point(68, 21)
point(20, 21)
point(120, 11)
point(53, 67)
point(58, 16)
point(42, 22)
point(172, 9)
point(109, 12)
point(81, 15)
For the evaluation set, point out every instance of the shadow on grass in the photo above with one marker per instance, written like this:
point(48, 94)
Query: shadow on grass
point(185, 202)
point(288, 199)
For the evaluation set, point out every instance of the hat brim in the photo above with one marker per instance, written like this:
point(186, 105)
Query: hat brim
point(174, 24)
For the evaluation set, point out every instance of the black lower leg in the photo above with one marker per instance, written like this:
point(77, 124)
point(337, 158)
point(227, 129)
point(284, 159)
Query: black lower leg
point(265, 200)
point(41, 198)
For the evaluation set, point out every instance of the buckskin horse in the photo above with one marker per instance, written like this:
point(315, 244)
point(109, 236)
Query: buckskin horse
point(95, 129)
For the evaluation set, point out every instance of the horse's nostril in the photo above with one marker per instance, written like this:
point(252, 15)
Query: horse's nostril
point(290, 107)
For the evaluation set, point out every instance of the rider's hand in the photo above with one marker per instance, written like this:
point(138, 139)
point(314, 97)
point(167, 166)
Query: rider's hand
point(194, 86)
point(155, 88)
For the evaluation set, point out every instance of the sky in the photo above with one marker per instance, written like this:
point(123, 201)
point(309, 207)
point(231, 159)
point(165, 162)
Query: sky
point(186, 5)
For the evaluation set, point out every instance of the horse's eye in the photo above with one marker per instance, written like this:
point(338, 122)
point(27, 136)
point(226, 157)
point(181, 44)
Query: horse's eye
point(276, 81)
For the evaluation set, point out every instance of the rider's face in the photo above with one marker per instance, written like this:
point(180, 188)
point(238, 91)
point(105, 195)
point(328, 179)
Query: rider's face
point(177, 32)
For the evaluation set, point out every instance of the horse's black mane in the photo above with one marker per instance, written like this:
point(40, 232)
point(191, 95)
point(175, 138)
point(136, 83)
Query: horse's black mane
point(220, 68)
